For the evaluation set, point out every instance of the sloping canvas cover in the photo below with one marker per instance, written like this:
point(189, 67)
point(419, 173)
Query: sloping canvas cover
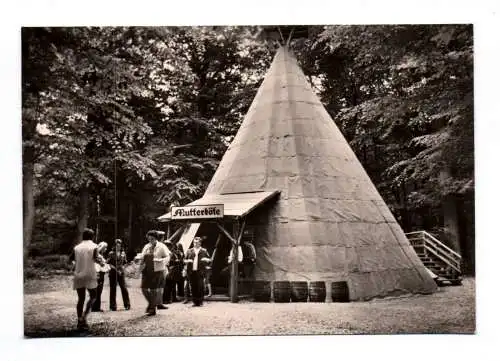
point(235, 205)
point(330, 223)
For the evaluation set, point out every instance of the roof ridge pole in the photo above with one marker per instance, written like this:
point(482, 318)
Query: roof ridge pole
point(289, 38)
point(281, 34)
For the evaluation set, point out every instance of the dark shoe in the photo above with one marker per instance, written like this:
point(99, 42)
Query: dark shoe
point(82, 325)
point(151, 313)
point(112, 309)
point(185, 301)
point(162, 307)
point(127, 307)
point(195, 305)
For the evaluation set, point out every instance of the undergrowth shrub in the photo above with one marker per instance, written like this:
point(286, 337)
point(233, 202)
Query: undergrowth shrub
point(36, 267)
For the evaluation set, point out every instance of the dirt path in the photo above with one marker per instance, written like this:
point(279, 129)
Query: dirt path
point(52, 314)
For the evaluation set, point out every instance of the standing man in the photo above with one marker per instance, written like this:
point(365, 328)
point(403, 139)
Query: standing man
point(84, 256)
point(153, 260)
point(117, 259)
point(249, 258)
point(196, 259)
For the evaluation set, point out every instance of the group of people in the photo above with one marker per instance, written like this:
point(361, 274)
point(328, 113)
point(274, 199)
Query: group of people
point(91, 263)
point(166, 273)
point(114, 263)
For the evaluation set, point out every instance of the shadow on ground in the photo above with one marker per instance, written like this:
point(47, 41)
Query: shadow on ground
point(41, 333)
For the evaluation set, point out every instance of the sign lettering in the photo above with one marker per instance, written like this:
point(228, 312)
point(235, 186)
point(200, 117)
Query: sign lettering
point(212, 211)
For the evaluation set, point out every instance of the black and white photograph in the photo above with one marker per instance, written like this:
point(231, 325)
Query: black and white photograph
point(248, 180)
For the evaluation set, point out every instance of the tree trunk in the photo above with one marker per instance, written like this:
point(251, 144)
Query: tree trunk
point(405, 219)
point(129, 236)
point(28, 199)
point(450, 217)
point(29, 156)
point(98, 222)
point(467, 244)
point(83, 212)
point(451, 222)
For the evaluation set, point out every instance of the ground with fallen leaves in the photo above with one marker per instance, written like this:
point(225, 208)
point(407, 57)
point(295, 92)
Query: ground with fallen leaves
point(49, 311)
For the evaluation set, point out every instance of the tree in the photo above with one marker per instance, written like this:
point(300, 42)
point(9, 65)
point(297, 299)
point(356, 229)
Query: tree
point(120, 112)
point(86, 83)
point(39, 61)
point(403, 97)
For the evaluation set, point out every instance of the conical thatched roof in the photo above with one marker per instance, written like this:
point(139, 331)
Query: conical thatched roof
point(329, 223)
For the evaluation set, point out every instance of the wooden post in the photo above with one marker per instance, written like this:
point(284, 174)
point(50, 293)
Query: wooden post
point(233, 291)
point(176, 233)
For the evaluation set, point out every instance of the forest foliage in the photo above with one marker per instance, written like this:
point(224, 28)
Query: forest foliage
point(121, 123)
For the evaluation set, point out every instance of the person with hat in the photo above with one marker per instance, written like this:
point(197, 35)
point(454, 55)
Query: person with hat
point(117, 260)
point(153, 260)
point(196, 260)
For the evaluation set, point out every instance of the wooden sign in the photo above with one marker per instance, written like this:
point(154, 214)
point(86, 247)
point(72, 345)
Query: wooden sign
point(212, 211)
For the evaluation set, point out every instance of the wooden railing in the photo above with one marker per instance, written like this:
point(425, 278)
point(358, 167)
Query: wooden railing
point(430, 244)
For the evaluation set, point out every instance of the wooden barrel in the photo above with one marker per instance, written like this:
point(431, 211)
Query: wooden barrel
point(244, 287)
point(317, 291)
point(261, 291)
point(282, 291)
point(299, 291)
point(340, 292)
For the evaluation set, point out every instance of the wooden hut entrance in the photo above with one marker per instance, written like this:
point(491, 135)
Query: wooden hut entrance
point(222, 236)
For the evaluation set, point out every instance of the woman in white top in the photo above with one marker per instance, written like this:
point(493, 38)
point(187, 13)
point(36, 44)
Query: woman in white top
point(153, 260)
point(101, 270)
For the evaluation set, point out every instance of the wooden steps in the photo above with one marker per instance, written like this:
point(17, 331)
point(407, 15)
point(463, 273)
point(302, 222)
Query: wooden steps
point(437, 257)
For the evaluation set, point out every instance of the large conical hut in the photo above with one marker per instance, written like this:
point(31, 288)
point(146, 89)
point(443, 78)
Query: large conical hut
point(313, 212)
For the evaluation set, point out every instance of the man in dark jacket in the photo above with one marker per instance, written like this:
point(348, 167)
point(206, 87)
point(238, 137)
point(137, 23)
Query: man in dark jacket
point(249, 258)
point(117, 259)
point(169, 294)
point(196, 261)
